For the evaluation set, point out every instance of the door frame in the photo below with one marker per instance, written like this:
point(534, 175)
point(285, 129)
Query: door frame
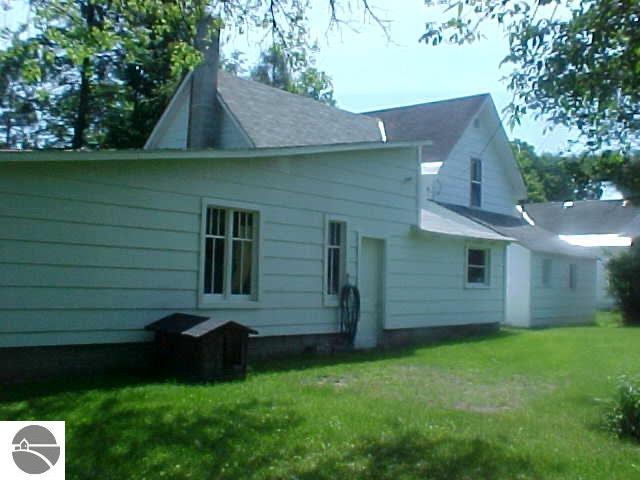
point(384, 267)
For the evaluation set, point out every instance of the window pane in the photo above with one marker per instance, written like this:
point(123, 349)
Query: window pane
point(246, 267)
point(335, 233)
point(476, 257)
point(214, 265)
point(476, 275)
point(476, 170)
point(333, 271)
point(249, 231)
point(241, 268)
point(218, 270)
point(235, 267)
point(236, 224)
point(476, 194)
point(222, 220)
point(208, 264)
point(215, 221)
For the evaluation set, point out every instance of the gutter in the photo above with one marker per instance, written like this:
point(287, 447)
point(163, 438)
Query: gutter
point(181, 154)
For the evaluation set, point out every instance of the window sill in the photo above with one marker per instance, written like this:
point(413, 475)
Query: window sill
point(228, 304)
point(331, 301)
point(480, 286)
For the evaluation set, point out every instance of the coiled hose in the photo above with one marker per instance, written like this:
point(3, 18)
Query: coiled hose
point(349, 312)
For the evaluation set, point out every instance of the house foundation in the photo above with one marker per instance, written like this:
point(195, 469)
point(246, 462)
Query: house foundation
point(23, 364)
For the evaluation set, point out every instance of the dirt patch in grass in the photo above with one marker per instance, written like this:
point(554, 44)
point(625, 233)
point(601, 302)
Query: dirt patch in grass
point(438, 387)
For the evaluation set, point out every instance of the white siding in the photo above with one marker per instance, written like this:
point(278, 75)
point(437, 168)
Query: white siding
point(230, 134)
point(93, 251)
point(518, 294)
point(172, 127)
point(453, 181)
point(558, 304)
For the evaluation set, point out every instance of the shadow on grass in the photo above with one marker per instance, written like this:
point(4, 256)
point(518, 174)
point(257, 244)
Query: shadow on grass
point(117, 435)
point(115, 381)
point(136, 435)
point(416, 456)
point(307, 361)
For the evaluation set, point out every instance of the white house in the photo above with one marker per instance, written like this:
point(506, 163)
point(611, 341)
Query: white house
point(257, 206)
point(605, 227)
point(295, 200)
point(470, 171)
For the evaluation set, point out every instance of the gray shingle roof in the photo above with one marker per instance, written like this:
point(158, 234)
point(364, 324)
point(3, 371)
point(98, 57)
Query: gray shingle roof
point(587, 217)
point(442, 122)
point(193, 325)
point(435, 218)
point(274, 118)
point(532, 237)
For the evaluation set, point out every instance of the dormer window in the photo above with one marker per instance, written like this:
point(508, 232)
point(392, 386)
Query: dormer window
point(476, 182)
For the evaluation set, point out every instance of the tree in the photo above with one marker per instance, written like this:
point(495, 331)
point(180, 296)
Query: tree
point(295, 73)
point(103, 71)
point(575, 62)
point(624, 271)
point(18, 99)
point(558, 178)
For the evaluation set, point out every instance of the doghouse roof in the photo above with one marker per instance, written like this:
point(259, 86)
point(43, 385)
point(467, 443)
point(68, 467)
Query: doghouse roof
point(194, 325)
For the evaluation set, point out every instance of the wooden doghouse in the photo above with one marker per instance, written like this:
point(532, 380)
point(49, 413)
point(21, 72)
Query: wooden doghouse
point(200, 348)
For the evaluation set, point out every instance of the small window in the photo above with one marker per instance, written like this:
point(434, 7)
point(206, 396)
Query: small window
point(573, 276)
point(476, 182)
point(546, 272)
point(336, 234)
point(478, 266)
point(229, 252)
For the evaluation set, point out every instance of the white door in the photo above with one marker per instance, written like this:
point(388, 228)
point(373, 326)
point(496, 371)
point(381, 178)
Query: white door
point(517, 308)
point(371, 293)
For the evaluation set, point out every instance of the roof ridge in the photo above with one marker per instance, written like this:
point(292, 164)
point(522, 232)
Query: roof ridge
point(423, 104)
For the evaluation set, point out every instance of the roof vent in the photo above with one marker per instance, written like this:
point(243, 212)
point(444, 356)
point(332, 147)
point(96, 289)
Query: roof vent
point(476, 123)
point(567, 204)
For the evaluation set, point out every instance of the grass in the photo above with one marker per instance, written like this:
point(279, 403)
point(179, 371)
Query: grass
point(519, 404)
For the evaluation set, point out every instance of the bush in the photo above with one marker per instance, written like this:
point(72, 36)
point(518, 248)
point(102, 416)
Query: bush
point(624, 283)
point(624, 418)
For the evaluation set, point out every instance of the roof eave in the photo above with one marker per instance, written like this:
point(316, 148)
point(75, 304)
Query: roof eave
point(498, 238)
point(184, 154)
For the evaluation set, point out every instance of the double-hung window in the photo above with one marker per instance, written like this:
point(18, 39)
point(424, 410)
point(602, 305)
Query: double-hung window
point(476, 182)
point(478, 261)
point(229, 270)
point(335, 246)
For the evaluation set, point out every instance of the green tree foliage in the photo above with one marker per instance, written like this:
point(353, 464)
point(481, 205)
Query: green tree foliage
point(18, 94)
point(624, 272)
point(558, 178)
point(89, 74)
point(294, 72)
point(574, 62)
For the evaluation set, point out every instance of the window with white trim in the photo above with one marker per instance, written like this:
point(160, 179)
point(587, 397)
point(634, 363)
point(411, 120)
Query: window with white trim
point(476, 182)
point(573, 276)
point(478, 266)
point(230, 253)
point(546, 272)
point(335, 242)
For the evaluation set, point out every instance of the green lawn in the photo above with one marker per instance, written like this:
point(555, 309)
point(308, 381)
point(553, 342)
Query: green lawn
point(520, 404)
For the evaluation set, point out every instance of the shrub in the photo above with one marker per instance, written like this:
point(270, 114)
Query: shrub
point(624, 418)
point(624, 283)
